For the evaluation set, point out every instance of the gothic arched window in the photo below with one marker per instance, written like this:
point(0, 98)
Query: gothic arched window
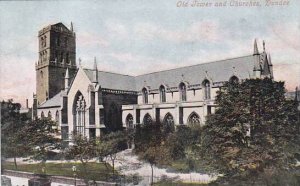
point(162, 91)
point(42, 115)
point(129, 121)
point(45, 42)
point(193, 118)
point(66, 41)
point(49, 115)
point(168, 123)
point(58, 40)
point(79, 109)
point(206, 86)
point(145, 95)
point(234, 79)
point(182, 89)
point(57, 117)
point(147, 119)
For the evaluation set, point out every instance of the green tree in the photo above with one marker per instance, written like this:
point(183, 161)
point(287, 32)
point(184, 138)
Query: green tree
point(151, 146)
point(82, 149)
point(251, 128)
point(112, 143)
point(12, 134)
point(40, 136)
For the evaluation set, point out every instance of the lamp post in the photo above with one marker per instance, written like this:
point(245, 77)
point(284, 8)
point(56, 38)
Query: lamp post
point(74, 173)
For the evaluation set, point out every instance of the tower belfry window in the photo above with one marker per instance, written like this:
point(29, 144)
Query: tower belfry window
point(61, 56)
point(66, 41)
point(58, 41)
point(67, 58)
point(45, 42)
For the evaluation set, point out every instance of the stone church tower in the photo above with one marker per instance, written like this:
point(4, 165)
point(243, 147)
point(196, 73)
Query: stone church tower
point(57, 53)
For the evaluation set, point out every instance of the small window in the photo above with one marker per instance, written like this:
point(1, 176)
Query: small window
point(206, 86)
point(145, 95)
point(182, 89)
point(162, 94)
point(49, 115)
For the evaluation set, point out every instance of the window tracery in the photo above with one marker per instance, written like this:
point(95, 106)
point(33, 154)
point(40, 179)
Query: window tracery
point(80, 115)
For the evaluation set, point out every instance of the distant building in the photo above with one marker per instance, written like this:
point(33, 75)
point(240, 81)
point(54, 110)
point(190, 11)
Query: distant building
point(90, 101)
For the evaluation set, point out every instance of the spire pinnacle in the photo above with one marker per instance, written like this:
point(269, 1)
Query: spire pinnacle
point(270, 61)
point(71, 27)
point(67, 76)
point(255, 52)
point(95, 78)
point(264, 45)
point(67, 82)
point(95, 64)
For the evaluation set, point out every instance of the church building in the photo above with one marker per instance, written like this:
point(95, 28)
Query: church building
point(92, 102)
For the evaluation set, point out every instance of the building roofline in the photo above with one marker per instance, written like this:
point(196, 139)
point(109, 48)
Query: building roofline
point(226, 59)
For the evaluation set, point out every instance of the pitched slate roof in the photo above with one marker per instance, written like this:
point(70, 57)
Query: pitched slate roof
point(112, 80)
point(217, 71)
point(53, 102)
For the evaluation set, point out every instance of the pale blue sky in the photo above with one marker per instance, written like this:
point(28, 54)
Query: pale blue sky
point(134, 37)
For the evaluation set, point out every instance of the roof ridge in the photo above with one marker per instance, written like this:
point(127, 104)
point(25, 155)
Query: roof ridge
point(218, 61)
point(109, 72)
point(222, 60)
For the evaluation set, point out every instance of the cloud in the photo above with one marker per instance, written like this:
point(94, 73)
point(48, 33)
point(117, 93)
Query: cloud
point(17, 78)
point(286, 34)
point(134, 64)
point(88, 39)
point(204, 31)
point(290, 73)
point(116, 29)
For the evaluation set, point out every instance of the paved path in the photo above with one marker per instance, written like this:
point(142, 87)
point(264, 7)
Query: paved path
point(16, 181)
point(129, 164)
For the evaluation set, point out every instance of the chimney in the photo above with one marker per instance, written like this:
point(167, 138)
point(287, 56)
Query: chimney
point(27, 103)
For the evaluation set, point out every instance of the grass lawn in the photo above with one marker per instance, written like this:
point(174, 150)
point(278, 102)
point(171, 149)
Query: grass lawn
point(95, 171)
point(178, 184)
